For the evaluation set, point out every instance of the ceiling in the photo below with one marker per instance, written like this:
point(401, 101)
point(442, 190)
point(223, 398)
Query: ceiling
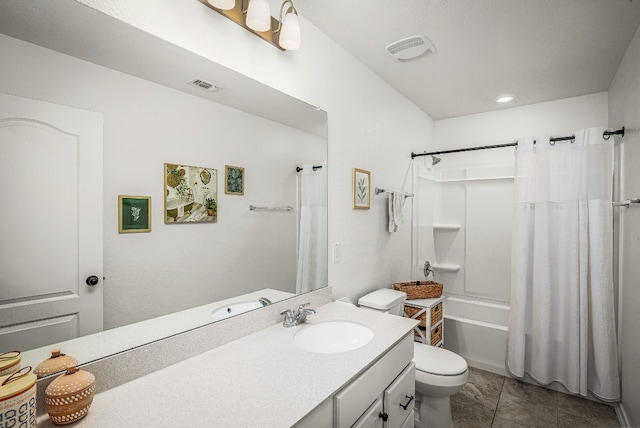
point(538, 50)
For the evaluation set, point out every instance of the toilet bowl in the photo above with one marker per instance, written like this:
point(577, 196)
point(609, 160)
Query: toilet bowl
point(439, 373)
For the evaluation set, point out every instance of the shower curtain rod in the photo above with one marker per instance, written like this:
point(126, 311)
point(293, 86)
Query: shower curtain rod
point(606, 135)
point(299, 168)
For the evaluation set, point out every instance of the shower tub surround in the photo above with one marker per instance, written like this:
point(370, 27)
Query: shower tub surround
point(262, 378)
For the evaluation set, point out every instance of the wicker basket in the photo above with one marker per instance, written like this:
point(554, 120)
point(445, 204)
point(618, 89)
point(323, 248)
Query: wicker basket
point(420, 289)
point(432, 337)
point(436, 314)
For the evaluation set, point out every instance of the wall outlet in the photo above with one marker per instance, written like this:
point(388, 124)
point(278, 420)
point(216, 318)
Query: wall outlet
point(336, 252)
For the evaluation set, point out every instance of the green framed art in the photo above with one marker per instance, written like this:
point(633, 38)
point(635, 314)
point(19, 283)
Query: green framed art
point(134, 214)
point(361, 189)
point(234, 180)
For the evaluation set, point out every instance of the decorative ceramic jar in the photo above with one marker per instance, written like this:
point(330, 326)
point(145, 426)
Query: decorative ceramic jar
point(9, 362)
point(57, 363)
point(69, 396)
point(18, 399)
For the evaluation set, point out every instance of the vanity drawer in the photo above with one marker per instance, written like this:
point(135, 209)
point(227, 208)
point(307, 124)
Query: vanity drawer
point(399, 397)
point(355, 398)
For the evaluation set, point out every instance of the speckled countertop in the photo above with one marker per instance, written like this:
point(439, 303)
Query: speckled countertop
point(262, 379)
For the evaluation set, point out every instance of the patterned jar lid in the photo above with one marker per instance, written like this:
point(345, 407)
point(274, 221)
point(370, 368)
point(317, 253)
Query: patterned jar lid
point(9, 360)
point(71, 382)
point(16, 383)
point(57, 363)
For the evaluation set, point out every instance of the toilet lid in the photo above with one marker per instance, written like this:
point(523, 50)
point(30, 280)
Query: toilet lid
point(438, 361)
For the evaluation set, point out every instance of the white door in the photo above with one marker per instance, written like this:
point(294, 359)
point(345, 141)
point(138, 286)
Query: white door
point(50, 223)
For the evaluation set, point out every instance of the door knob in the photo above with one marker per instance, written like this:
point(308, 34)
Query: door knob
point(92, 280)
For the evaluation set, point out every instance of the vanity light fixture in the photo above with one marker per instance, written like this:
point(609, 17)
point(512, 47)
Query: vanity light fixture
point(289, 27)
point(255, 16)
point(223, 4)
point(258, 15)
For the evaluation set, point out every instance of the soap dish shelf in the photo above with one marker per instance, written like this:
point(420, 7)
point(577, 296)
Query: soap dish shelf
point(445, 267)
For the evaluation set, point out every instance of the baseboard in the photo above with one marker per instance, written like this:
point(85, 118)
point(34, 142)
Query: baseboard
point(622, 416)
point(487, 367)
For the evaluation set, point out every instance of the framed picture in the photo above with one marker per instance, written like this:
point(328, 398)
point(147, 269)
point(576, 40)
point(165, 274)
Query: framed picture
point(233, 180)
point(191, 194)
point(361, 189)
point(134, 214)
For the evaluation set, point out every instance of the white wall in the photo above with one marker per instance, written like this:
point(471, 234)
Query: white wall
point(371, 126)
point(624, 110)
point(145, 125)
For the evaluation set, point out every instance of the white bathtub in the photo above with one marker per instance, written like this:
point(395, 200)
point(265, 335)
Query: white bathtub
point(477, 330)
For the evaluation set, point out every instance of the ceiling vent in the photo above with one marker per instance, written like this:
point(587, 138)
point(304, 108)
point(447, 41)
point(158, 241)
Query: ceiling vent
point(205, 85)
point(411, 48)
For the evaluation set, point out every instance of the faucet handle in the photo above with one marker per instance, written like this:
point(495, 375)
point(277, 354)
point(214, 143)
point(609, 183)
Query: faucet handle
point(289, 318)
point(301, 307)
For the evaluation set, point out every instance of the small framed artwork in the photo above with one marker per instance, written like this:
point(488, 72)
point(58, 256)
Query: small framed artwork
point(361, 189)
point(190, 194)
point(134, 214)
point(234, 180)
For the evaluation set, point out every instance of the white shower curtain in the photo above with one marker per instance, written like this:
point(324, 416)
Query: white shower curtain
point(562, 319)
point(312, 242)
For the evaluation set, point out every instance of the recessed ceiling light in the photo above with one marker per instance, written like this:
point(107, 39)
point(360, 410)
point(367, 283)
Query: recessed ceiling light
point(505, 98)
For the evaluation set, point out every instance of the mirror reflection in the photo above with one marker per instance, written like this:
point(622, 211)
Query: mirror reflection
point(77, 135)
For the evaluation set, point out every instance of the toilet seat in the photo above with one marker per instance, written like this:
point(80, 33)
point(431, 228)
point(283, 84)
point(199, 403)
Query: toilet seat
point(437, 361)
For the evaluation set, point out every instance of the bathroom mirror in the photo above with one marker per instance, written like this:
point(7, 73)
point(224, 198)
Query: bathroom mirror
point(158, 107)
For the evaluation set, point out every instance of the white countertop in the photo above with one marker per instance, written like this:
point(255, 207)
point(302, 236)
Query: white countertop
point(262, 379)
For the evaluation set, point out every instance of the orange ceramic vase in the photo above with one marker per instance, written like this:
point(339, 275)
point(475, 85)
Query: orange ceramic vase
point(69, 396)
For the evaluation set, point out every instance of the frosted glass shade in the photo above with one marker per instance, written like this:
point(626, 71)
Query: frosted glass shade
point(259, 15)
point(223, 4)
point(290, 32)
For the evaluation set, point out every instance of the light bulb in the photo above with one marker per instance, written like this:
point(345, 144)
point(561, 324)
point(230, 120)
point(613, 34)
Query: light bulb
point(223, 4)
point(290, 32)
point(505, 98)
point(259, 15)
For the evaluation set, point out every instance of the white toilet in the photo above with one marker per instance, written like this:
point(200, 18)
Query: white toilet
point(439, 373)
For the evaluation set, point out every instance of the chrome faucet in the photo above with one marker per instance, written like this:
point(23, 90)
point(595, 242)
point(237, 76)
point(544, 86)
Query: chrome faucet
point(292, 319)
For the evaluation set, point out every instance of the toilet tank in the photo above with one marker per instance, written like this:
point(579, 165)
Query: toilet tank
point(384, 300)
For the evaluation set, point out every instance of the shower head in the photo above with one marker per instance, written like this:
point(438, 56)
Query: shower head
point(435, 160)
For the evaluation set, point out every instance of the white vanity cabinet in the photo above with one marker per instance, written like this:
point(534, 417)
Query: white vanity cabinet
point(389, 383)
point(394, 409)
point(381, 396)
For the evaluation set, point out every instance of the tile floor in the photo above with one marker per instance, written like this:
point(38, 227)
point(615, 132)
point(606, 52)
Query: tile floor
point(489, 400)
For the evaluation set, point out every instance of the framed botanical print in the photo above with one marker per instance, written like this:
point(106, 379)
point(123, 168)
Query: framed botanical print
point(134, 214)
point(234, 180)
point(361, 189)
point(190, 194)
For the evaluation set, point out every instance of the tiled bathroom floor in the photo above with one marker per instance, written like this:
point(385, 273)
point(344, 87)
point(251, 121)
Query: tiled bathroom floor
point(492, 401)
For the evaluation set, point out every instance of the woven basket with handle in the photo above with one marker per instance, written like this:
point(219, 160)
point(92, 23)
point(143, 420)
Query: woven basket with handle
point(420, 289)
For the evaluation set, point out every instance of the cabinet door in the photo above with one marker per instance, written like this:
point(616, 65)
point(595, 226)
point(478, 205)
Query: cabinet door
point(353, 399)
point(371, 418)
point(409, 422)
point(399, 397)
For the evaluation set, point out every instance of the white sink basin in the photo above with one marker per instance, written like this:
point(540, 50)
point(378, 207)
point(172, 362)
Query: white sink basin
point(332, 337)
